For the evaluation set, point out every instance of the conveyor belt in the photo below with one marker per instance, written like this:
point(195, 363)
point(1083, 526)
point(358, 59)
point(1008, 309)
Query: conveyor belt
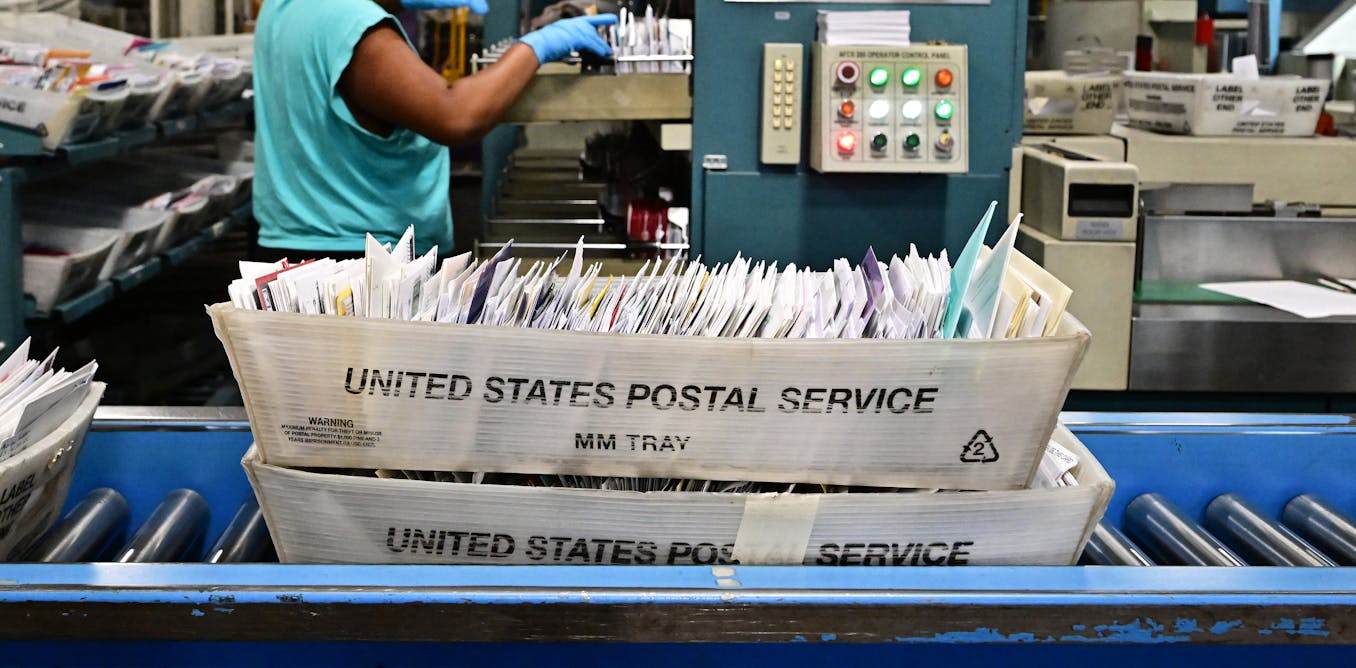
point(1278, 469)
point(95, 530)
point(1235, 533)
point(1311, 532)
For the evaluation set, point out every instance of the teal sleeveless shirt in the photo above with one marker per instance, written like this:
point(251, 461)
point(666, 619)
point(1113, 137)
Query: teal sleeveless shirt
point(321, 180)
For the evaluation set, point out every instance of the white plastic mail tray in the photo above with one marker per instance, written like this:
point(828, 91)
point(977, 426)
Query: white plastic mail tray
point(51, 279)
point(60, 118)
point(45, 467)
point(138, 230)
point(153, 90)
point(223, 191)
point(142, 92)
point(1058, 102)
point(202, 89)
point(1221, 105)
point(112, 183)
point(80, 212)
point(183, 91)
point(324, 516)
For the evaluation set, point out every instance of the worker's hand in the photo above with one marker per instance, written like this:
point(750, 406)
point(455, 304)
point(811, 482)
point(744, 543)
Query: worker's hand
point(580, 33)
point(477, 6)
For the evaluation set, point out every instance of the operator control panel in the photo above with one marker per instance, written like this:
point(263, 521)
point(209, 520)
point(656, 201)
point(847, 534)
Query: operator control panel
point(890, 109)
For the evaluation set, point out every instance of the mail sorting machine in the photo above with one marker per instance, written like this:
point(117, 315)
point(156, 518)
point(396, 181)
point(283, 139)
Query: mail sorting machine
point(1136, 221)
point(1219, 490)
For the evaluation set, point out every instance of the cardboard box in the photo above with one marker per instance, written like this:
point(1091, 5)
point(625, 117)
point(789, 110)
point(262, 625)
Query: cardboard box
point(1219, 104)
point(371, 393)
point(317, 517)
point(1058, 102)
point(34, 483)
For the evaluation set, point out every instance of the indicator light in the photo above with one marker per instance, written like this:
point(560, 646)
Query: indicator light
point(847, 108)
point(879, 109)
point(945, 109)
point(878, 77)
point(847, 142)
point(944, 78)
point(911, 77)
point(912, 109)
point(946, 142)
point(847, 72)
point(879, 142)
point(912, 141)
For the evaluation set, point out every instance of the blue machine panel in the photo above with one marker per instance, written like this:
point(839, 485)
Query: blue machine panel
point(793, 214)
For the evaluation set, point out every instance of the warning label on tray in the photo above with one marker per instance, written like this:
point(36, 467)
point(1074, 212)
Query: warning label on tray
point(331, 431)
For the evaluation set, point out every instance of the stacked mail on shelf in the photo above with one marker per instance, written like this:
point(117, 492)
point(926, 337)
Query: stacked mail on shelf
point(869, 28)
point(984, 294)
point(648, 35)
point(36, 398)
point(53, 70)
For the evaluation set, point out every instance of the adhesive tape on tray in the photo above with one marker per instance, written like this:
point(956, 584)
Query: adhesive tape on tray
point(775, 529)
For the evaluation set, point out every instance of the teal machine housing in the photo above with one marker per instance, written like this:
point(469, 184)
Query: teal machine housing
point(792, 213)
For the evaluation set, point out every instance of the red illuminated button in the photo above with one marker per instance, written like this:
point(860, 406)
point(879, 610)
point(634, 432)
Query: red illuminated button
point(944, 78)
point(848, 72)
point(847, 143)
point(847, 108)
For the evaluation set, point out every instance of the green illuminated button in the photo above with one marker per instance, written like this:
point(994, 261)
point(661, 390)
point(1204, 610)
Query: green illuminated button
point(912, 141)
point(911, 77)
point(878, 77)
point(879, 142)
point(945, 109)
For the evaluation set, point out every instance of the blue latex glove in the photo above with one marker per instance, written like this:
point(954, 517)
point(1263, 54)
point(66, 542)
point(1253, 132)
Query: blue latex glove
point(580, 33)
point(477, 6)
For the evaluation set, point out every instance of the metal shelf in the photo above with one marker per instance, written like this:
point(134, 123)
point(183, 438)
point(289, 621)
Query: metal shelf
point(78, 306)
point(588, 97)
point(137, 275)
point(177, 126)
point(34, 162)
point(87, 302)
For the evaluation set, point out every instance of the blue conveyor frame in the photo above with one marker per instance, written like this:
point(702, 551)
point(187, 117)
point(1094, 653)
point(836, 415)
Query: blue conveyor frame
point(273, 611)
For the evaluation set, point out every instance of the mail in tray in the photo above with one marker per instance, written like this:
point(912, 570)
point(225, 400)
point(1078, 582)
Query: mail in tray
point(35, 398)
point(916, 372)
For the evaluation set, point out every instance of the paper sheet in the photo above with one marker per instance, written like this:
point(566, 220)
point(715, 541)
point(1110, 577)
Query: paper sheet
point(963, 272)
point(1302, 299)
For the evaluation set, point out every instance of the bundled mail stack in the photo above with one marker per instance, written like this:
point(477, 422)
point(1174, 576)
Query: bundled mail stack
point(1002, 295)
point(44, 413)
point(69, 82)
point(742, 412)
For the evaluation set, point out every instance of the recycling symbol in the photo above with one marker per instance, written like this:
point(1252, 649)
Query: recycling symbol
point(980, 449)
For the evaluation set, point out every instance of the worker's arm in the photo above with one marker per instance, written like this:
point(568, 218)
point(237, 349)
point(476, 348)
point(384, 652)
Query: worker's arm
point(387, 86)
